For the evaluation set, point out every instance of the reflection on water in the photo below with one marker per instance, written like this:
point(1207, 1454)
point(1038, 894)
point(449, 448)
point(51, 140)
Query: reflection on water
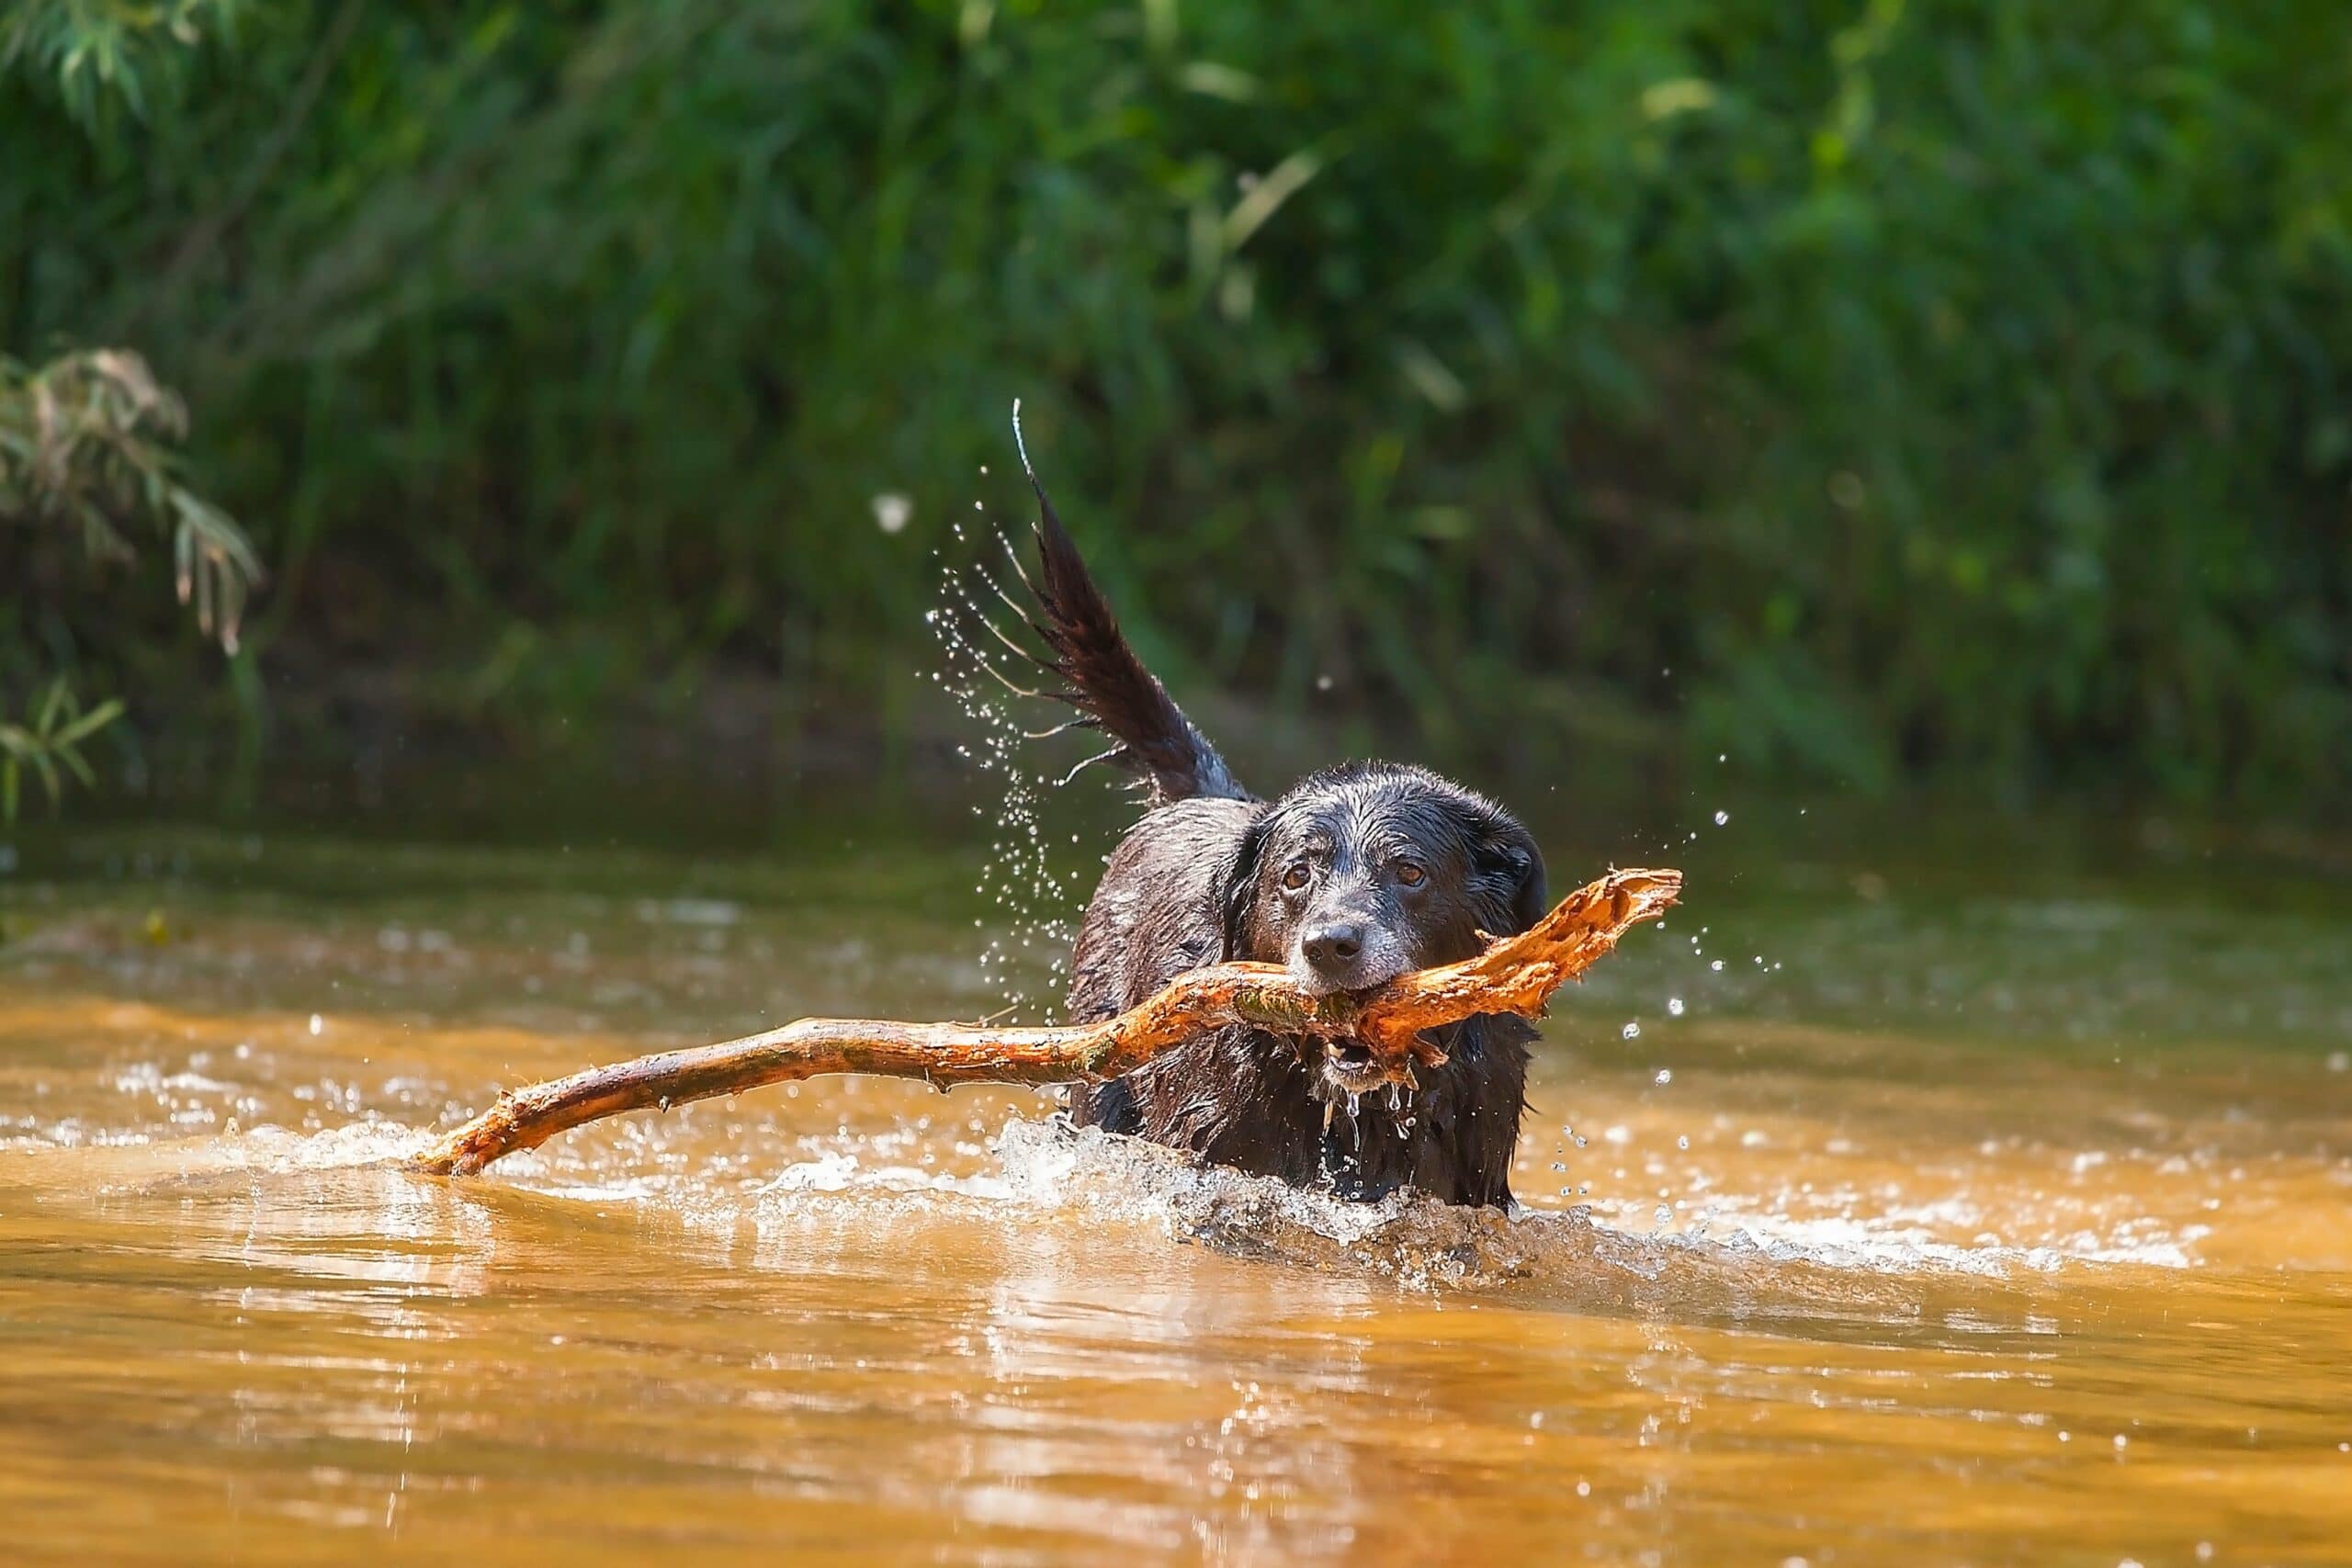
point(1993, 1225)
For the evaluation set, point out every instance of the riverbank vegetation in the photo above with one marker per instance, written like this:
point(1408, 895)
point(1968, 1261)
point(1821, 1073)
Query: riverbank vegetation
point(1893, 392)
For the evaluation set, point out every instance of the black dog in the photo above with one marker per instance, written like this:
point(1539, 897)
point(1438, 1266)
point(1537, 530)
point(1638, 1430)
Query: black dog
point(1357, 874)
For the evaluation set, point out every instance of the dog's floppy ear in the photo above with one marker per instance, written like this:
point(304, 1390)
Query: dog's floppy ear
point(1241, 887)
point(1509, 876)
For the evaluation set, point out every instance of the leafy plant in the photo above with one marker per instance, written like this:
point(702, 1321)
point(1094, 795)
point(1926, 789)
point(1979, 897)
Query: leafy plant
point(86, 440)
point(84, 450)
point(48, 746)
point(97, 51)
point(82, 444)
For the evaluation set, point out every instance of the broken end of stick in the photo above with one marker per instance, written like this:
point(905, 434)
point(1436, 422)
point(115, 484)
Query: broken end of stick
point(466, 1148)
point(447, 1155)
point(1632, 896)
point(1643, 892)
point(1581, 927)
point(1518, 973)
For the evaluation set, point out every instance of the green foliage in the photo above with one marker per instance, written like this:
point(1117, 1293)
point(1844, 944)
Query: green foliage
point(48, 746)
point(84, 453)
point(83, 443)
point(1929, 387)
point(95, 53)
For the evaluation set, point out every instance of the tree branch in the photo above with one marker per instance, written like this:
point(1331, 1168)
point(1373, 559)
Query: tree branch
point(1515, 974)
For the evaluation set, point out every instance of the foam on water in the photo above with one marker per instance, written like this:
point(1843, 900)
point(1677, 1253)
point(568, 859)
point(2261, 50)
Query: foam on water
point(140, 1162)
point(1416, 1239)
point(1041, 1172)
point(1044, 1171)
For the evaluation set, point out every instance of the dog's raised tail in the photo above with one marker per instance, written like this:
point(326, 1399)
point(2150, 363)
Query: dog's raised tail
point(1104, 680)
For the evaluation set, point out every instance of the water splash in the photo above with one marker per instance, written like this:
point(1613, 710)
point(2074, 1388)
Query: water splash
point(1429, 1244)
point(1034, 902)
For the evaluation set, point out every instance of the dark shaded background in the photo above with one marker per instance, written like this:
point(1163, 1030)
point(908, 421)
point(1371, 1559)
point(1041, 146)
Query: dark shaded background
point(1937, 394)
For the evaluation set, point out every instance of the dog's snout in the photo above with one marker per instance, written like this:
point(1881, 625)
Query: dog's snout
point(1334, 948)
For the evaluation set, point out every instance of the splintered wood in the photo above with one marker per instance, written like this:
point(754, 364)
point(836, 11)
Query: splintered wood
point(1514, 975)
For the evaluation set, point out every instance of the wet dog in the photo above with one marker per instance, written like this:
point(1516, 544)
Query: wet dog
point(1353, 876)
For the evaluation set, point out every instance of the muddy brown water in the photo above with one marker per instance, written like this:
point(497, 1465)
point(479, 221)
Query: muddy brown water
point(1960, 1217)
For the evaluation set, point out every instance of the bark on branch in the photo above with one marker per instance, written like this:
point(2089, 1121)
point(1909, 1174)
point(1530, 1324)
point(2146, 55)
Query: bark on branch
point(1515, 974)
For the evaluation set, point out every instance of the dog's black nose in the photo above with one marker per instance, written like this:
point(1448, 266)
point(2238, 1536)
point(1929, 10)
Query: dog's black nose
point(1332, 949)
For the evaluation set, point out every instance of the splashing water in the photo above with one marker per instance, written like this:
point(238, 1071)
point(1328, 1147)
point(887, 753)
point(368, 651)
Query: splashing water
point(1034, 900)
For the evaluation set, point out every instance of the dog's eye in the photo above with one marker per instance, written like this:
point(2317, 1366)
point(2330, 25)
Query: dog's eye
point(1410, 874)
point(1295, 877)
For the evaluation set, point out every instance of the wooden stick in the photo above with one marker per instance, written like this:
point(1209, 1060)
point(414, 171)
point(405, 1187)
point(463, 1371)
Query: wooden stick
point(1515, 974)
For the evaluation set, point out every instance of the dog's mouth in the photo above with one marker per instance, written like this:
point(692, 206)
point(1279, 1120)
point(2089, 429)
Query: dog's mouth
point(1350, 1066)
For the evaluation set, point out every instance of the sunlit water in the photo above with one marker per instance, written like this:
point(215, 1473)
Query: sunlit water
point(1994, 1216)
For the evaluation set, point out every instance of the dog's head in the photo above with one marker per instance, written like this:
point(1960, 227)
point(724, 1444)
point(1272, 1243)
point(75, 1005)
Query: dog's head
point(1364, 872)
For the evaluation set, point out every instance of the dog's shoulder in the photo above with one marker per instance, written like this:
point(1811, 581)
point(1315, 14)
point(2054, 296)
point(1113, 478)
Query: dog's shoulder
point(1158, 910)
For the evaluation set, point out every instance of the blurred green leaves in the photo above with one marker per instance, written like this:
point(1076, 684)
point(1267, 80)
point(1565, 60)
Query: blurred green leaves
point(86, 445)
point(49, 747)
point(1931, 387)
point(94, 54)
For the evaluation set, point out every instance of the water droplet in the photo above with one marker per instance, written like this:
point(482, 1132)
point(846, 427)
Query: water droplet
point(1716, 964)
point(891, 512)
point(1722, 818)
point(1665, 1077)
point(1674, 1006)
point(1632, 1030)
point(317, 1025)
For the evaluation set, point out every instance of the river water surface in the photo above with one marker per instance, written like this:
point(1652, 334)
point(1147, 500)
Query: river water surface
point(1982, 1206)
